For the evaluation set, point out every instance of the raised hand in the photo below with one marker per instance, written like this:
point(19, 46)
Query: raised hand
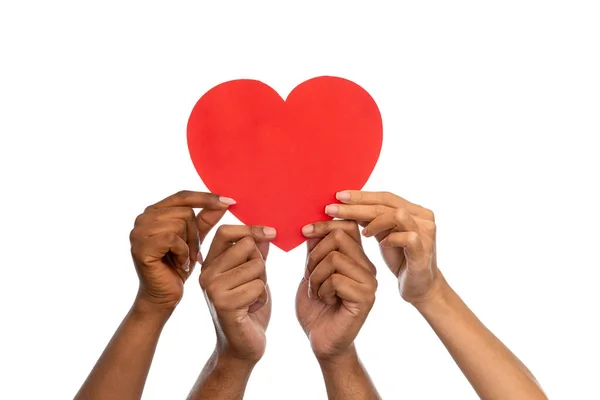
point(406, 235)
point(234, 281)
point(165, 247)
point(337, 291)
point(165, 243)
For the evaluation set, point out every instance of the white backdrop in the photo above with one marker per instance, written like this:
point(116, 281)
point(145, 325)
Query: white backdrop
point(491, 119)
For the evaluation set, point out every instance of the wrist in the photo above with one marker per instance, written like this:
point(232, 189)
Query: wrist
point(437, 300)
point(227, 362)
point(145, 310)
point(345, 359)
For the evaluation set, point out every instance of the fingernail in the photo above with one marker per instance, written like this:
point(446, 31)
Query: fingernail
point(200, 258)
point(226, 200)
point(331, 210)
point(309, 292)
point(342, 196)
point(186, 265)
point(364, 232)
point(308, 229)
point(268, 231)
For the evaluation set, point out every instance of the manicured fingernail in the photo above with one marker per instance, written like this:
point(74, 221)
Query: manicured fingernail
point(226, 200)
point(268, 231)
point(308, 229)
point(186, 265)
point(200, 258)
point(331, 210)
point(342, 196)
point(309, 292)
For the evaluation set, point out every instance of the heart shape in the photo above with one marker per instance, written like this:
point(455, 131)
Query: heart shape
point(284, 160)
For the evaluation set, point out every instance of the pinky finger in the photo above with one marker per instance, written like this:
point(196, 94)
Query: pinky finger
point(163, 243)
point(252, 295)
point(343, 287)
point(410, 241)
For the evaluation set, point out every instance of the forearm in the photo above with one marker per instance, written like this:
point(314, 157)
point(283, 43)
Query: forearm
point(121, 371)
point(492, 369)
point(222, 378)
point(346, 378)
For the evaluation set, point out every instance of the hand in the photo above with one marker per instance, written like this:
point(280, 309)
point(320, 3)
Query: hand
point(338, 289)
point(165, 244)
point(406, 235)
point(234, 282)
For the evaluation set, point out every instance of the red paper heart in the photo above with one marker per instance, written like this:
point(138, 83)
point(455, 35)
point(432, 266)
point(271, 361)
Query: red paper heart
point(283, 161)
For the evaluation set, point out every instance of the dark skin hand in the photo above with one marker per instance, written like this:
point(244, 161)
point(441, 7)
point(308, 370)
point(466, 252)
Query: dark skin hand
point(406, 233)
point(234, 282)
point(333, 301)
point(165, 244)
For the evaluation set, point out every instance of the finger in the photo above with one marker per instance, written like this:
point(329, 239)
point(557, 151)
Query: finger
point(336, 262)
point(244, 273)
point(243, 251)
point(398, 219)
point(248, 294)
point(158, 246)
point(184, 214)
point(410, 241)
point(357, 212)
point(228, 234)
point(206, 220)
point(187, 198)
point(347, 289)
point(177, 226)
point(324, 228)
point(388, 199)
point(339, 241)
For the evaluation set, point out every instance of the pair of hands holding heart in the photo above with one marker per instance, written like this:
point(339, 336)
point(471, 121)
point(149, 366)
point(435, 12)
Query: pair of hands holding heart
point(336, 292)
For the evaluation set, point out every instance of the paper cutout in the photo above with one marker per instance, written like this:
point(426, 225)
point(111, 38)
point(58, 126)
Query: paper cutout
point(283, 161)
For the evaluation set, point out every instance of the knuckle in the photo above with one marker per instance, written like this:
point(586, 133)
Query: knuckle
point(335, 280)
point(401, 215)
point(139, 220)
point(181, 225)
point(133, 235)
point(387, 196)
point(204, 281)
point(170, 237)
point(256, 265)
point(430, 227)
point(357, 197)
point(190, 214)
point(326, 226)
point(413, 238)
point(338, 234)
point(212, 291)
point(429, 214)
point(246, 243)
point(335, 257)
point(223, 230)
point(372, 270)
point(380, 209)
point(182, 193)
point(370, 297)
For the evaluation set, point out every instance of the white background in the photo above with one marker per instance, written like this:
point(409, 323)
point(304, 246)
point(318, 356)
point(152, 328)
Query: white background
point(491, 118)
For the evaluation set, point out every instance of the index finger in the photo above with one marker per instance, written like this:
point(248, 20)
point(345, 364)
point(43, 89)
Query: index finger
point(358, 197)
point(324, 228)
point(187, 198)
point(227, 235)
